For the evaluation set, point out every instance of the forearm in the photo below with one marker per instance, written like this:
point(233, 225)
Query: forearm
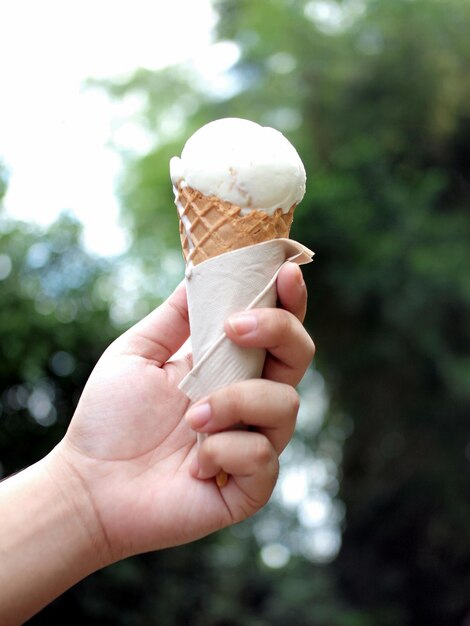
point(49, 539)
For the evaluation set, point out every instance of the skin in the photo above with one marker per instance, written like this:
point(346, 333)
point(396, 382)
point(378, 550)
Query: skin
point(128, 476)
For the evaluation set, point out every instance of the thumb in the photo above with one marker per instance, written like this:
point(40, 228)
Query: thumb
point(159, 335)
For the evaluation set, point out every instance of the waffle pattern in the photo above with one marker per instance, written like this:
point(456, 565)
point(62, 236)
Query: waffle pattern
point(210, 227)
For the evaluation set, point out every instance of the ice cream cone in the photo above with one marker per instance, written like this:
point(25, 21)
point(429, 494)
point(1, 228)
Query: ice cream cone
point(236, 187)
point(210, 226)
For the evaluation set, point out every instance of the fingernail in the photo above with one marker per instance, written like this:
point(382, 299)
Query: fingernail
point(198, 415)
point(243, 323)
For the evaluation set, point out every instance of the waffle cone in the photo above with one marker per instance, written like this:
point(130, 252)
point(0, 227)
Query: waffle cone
point(210, 226)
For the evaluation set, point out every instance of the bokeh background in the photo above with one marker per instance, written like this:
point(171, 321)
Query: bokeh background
point(370, 522)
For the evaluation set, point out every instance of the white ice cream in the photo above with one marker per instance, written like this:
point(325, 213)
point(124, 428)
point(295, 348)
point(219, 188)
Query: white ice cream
point(252, 166)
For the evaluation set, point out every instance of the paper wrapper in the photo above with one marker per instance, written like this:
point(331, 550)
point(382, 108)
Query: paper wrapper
point(239, 280)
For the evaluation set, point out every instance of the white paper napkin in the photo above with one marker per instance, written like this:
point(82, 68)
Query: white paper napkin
point(226, 284)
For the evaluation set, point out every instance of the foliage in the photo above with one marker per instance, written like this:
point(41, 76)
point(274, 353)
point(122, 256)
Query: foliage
point(3, 181)
point(375, 96)
point(54, 324)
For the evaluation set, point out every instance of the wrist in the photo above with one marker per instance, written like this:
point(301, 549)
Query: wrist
point(80, 520)
point(49, 537)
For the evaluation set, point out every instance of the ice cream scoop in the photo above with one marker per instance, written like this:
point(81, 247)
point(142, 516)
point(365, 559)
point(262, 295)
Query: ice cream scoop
point(241, 162)
point(236, 184)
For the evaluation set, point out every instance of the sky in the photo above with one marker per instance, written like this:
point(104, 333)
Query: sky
point(54, 132)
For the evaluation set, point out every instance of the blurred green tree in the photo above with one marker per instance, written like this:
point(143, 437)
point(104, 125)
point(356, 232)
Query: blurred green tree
point(54, 323)
point(375, 96)
point(3, 181)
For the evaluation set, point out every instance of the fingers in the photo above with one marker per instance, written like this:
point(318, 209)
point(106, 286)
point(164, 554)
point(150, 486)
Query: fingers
point(291, 290)
point(278, 330)
point(251, 463)
point(249, 458)
point(270, 407)
point(281, 333)
point(239, 453)
point(159, 335)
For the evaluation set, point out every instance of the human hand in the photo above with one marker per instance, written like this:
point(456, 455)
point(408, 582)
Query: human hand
point(144, 481)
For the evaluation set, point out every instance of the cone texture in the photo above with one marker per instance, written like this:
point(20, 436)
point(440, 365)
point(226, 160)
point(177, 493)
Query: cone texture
point(210, 226)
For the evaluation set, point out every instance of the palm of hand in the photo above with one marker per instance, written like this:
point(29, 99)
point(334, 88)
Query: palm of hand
point(135, 457)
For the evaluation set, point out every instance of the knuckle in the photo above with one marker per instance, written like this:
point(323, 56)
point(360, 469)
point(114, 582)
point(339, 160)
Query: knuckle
point(313, 347)
point(292, 405)
point(263, 451)
point(310, 348)
point(284, 322)
point(272, 475)
point(231, 401)
point(209, 449)
point(226, 405)
point(295, 402)
point(280, 323)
